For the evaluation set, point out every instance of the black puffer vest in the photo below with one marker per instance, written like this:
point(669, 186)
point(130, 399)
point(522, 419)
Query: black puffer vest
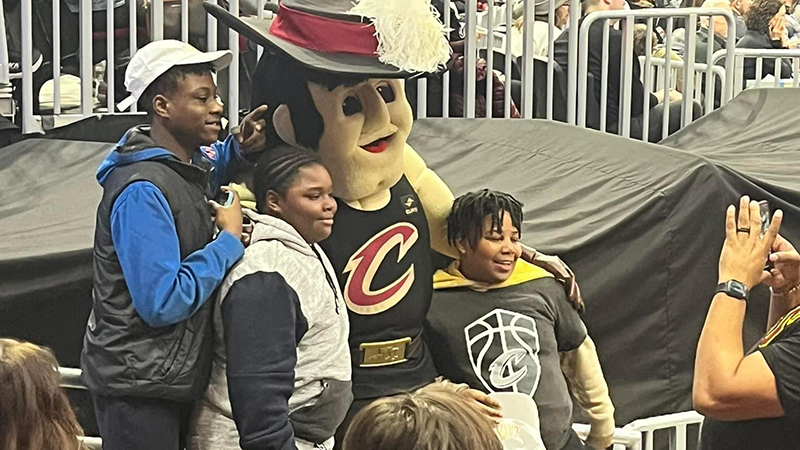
point(122, 355)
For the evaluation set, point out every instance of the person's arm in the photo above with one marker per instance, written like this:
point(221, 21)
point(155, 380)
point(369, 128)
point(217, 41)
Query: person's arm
point(581, 368)
point(727, 384)
point(263, 323)
point(165, 289)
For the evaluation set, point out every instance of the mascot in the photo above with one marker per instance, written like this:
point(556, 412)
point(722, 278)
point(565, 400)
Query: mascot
point(333, 79)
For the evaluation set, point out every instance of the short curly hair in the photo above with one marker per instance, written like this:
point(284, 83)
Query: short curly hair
point(761, 13)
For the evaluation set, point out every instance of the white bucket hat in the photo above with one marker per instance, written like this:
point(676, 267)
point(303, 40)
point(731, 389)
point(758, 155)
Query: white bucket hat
point(157, 57)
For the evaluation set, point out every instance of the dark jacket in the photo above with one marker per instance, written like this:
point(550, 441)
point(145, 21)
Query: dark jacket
point(155, 266)
point(755, 39)
point(561, 56)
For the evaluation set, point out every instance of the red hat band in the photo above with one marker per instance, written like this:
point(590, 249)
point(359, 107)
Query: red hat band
point(324, 34)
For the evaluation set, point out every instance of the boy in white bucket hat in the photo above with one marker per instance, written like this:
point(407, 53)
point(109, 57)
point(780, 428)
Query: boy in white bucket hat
point(156, 258)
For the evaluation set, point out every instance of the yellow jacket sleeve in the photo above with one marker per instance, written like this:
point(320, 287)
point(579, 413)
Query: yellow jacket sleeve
point(581, 368)
point(436, 198)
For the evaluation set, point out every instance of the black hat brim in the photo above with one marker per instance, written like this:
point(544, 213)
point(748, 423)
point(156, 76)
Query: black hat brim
point(257, 30)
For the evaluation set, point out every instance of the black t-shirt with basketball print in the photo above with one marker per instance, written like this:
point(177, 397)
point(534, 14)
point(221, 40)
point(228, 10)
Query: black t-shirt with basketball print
point(781, 350)
point(508, 340)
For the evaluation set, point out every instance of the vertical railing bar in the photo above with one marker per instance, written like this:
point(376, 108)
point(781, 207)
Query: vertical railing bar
point(110, 56)
point(56, 57)
point(625, 98)
point(551, 19)
point(446, 76)
point(86, 72)
point(508, 59)
point(582, 70)
point(212, 33)
point(422, 97)
point(759, 70)
point(795, 69)
point(648, 54)
point(688, 69)
point(470, 59)
point(603, 79)
point(157, 20)
point(27, 66)
point(777, 72)
point(572, 74)
point(709, 100)
point(4, 75)
point(233, 69)
point(489, 57)
point(667, 75)
point(184, 20)
point(132, 37)
point(527, 57)
point(260, 15)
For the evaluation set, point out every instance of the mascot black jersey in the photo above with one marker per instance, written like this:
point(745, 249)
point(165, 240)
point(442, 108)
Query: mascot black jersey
point(383, 261)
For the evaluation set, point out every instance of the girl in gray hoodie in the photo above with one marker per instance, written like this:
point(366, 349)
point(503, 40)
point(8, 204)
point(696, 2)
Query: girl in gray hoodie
point(281, 363)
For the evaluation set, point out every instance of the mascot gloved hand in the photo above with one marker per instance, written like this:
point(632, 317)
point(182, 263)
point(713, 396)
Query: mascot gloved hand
point(332, 77)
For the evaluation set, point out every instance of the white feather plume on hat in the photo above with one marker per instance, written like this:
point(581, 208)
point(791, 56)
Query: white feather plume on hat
point(410, 35)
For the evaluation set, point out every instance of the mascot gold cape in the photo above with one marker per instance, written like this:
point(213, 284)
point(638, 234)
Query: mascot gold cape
point(333, 78)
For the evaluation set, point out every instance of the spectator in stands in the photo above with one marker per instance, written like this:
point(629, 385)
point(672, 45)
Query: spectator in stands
point(490, 291)
point(146, 354)
point(281, 377)
point(541, 30)
point(34, 412)
point(702, 46)
point(637, 95)
point(434, 417)
point(751, 398)
point(740, 9)
point(766, 29)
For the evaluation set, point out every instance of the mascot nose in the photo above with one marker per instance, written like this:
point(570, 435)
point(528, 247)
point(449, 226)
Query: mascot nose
point(376, 113)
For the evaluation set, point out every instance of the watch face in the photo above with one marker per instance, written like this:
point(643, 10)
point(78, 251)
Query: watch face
point(738, 289)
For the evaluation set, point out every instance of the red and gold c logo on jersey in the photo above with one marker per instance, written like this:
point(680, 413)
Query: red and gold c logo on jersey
point(364, 264)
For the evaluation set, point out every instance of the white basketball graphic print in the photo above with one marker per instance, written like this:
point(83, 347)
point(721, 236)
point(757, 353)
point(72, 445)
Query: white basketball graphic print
point(503, 347)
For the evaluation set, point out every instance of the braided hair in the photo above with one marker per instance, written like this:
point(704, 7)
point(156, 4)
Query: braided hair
point(466, 218)
point(276, 170)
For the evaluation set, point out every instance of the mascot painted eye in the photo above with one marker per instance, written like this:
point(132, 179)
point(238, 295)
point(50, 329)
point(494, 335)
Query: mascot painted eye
point(386, 92)
point(351, 105)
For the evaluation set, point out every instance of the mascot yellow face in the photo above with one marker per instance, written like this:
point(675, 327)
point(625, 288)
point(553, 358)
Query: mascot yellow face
point(365, 131)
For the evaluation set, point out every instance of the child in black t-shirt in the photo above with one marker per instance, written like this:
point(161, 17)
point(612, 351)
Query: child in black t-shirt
point(502, 324)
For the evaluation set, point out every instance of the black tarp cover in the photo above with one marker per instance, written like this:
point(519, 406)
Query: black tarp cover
point(640, 224)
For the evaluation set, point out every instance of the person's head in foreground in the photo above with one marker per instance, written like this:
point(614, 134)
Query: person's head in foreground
point(766, 17)
point(174, 82)
point(485, 228)
point(293, 185)
point(34, 412)
point(432, 418)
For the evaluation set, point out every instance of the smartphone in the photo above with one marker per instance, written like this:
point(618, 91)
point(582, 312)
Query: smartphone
point(763, 209)
point(225, 198)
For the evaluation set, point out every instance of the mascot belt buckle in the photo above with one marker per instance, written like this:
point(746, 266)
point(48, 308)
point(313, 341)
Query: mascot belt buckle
point(387, 353)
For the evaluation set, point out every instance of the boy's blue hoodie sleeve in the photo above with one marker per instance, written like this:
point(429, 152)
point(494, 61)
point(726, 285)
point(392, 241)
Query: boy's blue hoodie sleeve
point(165, 289)
point(227, 159)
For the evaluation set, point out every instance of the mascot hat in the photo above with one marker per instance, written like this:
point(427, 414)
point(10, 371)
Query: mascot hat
point(373, 39)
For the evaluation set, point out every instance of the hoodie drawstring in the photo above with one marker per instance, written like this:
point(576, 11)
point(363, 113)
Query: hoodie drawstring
point(329, 280)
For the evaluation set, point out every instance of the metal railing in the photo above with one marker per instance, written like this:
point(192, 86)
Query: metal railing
point(776, 55)
point(497, 22)
point(86, 37)
point(701, 94)
point(628, 439)
point(676, 424)
point(690, 15)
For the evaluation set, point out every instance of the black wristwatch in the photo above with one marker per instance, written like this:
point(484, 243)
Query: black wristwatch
point(733, 288)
